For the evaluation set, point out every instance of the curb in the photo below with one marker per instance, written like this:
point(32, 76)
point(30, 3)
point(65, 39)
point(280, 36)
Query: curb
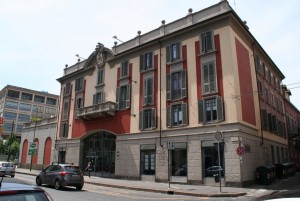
point(167, 191)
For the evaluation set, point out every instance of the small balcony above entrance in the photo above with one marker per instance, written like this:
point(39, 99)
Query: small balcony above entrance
point(101, 110)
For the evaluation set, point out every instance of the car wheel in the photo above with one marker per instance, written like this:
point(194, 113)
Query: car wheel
point(38, 181)
point(57, 184)
point(79, 187)
point(12, 176)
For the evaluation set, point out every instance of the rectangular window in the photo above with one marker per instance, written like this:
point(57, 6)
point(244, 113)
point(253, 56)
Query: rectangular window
point(64, 130)
point(13, 94)
point(8, 127)
point(267, 94)
point(26, 96)
point(79, 102)
point(264, 69)
point(173, 52)
point(39, 99)
point(148, 91)
point(176, 85)
point(260, 92)
point(123, 97)
point(147, 119)
point(177, 115)
point(9, 115)
point(100, 76)
point(207, 41)
point(68, 88)
point(11, 105)
point(38, 109)
point(25, 107)
point(24, 117)
point(211, 109)
point(50, 110)
point(272, 98)
point(146, 61)
point(209, 81)
point(98, 98)
point(124, 71)
point(65, 110)
point(79, 84)
point(51, 101)
point(257, 63)
point(19, 128)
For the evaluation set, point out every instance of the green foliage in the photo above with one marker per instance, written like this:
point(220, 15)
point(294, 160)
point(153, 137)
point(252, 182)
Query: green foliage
point(10, 146)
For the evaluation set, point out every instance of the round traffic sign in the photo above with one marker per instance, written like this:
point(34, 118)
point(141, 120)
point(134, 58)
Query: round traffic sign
point(240, 151)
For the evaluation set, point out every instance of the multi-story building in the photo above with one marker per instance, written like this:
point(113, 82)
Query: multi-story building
point(177, 101)
point(292, 115)
point(19, 105)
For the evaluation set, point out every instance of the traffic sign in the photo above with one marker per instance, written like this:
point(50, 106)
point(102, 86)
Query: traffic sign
point(240, 151)
point(32, 149)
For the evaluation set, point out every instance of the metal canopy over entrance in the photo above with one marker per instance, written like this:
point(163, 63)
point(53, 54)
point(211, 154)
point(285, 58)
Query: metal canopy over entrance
point(99, 148)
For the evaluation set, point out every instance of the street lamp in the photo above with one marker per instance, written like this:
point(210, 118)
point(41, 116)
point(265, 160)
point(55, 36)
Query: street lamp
point(115, 37)
point(35, 119)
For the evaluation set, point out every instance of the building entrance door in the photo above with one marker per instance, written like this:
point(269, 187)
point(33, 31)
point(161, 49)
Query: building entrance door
point(100, 148)
point(210, 162)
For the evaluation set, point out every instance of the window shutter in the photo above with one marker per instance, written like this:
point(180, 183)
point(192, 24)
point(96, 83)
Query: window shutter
point(183, 89)
point(274, 123)
point(168, 87)
point(150, 91)
point(201, 110)
point(257, 63)
point(153, 118)
point(117, 98)
point(270, 122)
point(209, 40)
point(212, 77)
point(184, 114)
point(128, 97)
point(205, 78)
point(220, 108)
point(142, 64)
point(102, 97)
point(168, 53)
point(178, 52)
point(169, 116)
point(151, 59)
point(203, 42)
point(141, 122)
point(145, 91)
point(265, 119)
point(94, 99)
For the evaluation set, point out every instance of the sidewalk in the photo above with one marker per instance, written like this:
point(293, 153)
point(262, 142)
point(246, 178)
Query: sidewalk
point(178, 189)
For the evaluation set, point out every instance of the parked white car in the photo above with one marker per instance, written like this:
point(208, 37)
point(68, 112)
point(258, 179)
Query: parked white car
point(7, 168)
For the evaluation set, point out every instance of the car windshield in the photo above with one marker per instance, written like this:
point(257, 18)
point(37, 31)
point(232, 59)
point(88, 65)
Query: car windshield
point(72, 169)
point(28, 196)
point(7, 165)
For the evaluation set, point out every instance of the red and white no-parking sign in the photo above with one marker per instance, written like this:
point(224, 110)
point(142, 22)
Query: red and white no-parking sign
point(240, 151)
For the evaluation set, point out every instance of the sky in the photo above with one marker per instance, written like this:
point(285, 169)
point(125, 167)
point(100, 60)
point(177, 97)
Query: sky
point(38, 38)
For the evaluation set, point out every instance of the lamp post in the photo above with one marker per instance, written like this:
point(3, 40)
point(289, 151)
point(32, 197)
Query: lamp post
point(218, 135)
point(35, 119)
point(115, 37)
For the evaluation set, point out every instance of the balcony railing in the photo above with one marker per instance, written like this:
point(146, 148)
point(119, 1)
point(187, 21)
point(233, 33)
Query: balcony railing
point(102, 110)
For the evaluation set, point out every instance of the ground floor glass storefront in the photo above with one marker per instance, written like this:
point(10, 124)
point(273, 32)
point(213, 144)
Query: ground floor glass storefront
point(99, 149)
point(210, 160)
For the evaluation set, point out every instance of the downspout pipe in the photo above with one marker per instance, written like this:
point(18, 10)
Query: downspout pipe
point(261, 124)
point(160, 130)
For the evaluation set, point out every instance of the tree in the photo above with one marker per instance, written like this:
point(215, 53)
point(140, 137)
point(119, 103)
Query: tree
point(10, 147)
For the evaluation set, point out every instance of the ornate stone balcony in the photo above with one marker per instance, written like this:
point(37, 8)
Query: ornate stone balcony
point(102, 110)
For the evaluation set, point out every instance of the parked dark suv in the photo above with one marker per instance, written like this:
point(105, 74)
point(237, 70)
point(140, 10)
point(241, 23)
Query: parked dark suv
point(61, 175)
